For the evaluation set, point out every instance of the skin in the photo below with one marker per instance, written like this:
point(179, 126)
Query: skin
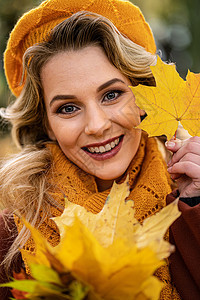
point(81, 111)
point(95, 119)
point(184, 166)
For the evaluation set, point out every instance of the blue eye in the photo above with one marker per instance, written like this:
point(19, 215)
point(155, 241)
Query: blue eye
point(67, 109)
point(112, 95)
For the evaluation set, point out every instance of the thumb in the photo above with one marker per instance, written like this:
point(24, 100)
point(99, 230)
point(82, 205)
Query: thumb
point(174, 144)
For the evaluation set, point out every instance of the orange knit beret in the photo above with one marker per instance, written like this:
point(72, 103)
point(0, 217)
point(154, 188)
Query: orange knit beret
point(34, 25)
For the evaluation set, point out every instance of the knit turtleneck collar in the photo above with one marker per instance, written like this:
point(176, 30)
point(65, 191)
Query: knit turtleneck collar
point(148, 180)
point(79, 186)
point(149, 184)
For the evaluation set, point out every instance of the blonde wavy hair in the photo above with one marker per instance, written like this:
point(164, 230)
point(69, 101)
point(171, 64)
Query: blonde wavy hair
point(24, 185)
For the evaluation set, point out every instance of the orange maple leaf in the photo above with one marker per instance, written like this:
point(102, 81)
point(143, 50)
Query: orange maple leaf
point(20, 276)
point(173, 100)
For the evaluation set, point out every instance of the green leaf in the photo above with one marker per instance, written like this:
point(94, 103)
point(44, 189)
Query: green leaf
point(44, 273)
point(78, 291)
point(33, 287)
point(22, 285)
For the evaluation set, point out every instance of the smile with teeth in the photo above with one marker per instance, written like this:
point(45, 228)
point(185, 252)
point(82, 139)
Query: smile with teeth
point(105, 148)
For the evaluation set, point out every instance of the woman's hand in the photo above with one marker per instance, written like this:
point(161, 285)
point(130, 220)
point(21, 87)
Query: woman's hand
point(184, 167)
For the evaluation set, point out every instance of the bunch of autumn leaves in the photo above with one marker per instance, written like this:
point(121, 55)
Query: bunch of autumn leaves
point(106, 256)
point(110, 256)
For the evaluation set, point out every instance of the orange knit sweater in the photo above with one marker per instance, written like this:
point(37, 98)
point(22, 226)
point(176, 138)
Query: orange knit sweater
point(149, 184)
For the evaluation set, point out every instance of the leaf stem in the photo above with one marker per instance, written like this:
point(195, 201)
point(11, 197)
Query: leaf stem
point(175, 134)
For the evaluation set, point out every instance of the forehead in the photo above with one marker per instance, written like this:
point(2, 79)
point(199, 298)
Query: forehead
point(89, 66)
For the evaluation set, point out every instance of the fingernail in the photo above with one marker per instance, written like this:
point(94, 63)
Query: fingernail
point(169, 163)
point(169, 169)
point(170, 144)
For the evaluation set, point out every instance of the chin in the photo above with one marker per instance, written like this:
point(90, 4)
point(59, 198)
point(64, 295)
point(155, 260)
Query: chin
point(111, 175)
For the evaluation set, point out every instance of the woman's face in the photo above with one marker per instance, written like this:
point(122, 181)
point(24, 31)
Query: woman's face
point(91, 111)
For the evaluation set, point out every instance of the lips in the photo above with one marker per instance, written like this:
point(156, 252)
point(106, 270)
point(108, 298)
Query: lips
point(104, 150)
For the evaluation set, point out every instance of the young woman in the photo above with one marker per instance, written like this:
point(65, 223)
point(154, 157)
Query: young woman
point(70, 66)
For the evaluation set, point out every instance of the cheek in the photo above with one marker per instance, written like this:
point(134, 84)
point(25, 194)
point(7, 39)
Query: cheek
point(62, 132)
point(67, 140)
point(128, 115)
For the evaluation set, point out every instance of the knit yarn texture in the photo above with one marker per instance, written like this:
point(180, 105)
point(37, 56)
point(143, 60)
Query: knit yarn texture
point(34, 26)
point(149, 185)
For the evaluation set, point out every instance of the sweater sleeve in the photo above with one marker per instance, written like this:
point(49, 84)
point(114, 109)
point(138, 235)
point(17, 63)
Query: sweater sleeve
point(8, 232)
point(185, 235)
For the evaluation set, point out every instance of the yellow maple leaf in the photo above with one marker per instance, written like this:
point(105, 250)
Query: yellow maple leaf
point(173, 100)
point(123, 267)
point(119, 271)
point(153, 229)
point(42, 248)
point(116, 218)
point(117, 221)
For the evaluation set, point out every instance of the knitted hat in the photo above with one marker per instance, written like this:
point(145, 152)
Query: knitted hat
point(34, 25)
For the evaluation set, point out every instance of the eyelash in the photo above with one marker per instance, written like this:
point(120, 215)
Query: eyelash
point(118, 92)
point(65, 106)
point(60, 110)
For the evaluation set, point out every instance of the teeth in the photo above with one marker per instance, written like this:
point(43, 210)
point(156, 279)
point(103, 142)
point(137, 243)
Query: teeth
point(112, 144)
point(108, 147)
point(102, 149)
point(96, 149)
point(105, 148)
point(116, 141)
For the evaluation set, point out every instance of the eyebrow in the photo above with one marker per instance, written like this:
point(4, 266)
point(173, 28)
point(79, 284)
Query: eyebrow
point(100, 88)
point(61, 97)
point(108, 83)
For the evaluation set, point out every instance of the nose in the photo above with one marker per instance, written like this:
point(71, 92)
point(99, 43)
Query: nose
point(97, 121)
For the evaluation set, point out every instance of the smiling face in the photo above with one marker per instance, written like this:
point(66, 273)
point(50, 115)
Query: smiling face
point(91, 112)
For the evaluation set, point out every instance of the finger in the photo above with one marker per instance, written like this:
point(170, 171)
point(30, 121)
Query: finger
point(175, 144)
point(189, 151)
point(186, 147)
point(190, 157)
point(191, 169)
point(176, 176)
point(190, 190)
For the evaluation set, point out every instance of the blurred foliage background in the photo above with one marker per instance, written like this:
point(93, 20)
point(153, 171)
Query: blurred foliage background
point(175, 24)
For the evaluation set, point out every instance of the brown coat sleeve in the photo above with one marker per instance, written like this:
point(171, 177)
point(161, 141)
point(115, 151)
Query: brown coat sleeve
point(185, 261)
point(8, 232)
